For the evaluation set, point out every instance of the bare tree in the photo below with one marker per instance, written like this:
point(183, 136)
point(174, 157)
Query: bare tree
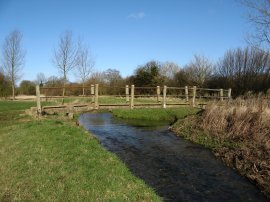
point(199, 70)
point(85, 64)
point(97, 77)
point(41, 79)
point(259, 16)
point(245, 69)
point(65, 56)
point(169, 69)
point(13, 58)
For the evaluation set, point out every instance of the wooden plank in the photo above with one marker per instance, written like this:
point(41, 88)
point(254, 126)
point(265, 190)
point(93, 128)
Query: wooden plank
point(96, 96)
point(158, 93)
point(221, 94)
point(194, 96)
point(176, 88)
point(38, 99)
point(164, 96)
point(132, 97)
point(229, 93)
point(186, 93)
point(127, 93)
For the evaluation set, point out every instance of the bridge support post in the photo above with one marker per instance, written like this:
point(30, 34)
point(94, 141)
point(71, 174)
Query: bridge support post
point(93, 92)
point(229, 93)
point(132, 97)
point(158, 93)
point(186, 93)
point(194, 96)
point(127, 93)
point(221, 94)
point(164, 96)
point(38, 100)
point(96, 96)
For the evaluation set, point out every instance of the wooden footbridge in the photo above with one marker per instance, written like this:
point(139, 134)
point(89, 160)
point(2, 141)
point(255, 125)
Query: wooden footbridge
point(72, 99)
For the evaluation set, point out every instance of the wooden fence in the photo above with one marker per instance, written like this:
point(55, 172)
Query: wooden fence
point(98, 96)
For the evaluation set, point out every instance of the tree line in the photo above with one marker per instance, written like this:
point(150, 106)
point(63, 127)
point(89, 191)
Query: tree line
point(242, 69)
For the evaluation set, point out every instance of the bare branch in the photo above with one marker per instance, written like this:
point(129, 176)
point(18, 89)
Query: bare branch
point(65, 55)
point(84, 62)
point(13, 58)
point(259, 17)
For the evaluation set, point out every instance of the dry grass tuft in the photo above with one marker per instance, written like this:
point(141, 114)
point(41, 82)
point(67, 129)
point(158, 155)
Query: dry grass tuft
point(247, 123)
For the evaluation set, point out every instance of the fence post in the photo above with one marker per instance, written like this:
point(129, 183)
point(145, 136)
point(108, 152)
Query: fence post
point(96, 96)
point(229, 93)
point(132, 97)
point(186, 93)
point(158, 93)
point(127, 93)
point(221, 94)
point(164, 96)
point(63, 94)
point(93, 92)
point(38, 99)
point(83, 90)
point(194, 96)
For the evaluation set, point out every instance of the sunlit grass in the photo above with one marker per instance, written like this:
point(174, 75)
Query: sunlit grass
point(54, 160)
point(155, 114)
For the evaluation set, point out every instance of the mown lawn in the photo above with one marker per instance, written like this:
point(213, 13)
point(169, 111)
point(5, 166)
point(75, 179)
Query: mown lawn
point(54, 160)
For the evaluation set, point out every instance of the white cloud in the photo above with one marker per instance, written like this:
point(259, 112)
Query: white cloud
point(137, 16)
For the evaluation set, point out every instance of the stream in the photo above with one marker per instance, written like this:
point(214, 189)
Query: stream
point(176, 169)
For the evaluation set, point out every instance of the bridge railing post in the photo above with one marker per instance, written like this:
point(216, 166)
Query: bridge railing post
point(164, 96)
point(132, 97)
point(96, 97)
point(38, 100)
point(92, 92)
point(221, 94)
point(229, 93)
point(158, 93)
point(186, 93)
point(127, 93)
point(194, 96)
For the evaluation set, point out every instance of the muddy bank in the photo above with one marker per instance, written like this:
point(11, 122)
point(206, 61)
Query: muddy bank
point(177, 169)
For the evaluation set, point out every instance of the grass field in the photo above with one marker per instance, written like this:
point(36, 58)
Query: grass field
point(54, 160)
point(160, 114)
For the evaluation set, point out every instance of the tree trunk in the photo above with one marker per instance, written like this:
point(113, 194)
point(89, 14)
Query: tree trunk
point(64, 88)
point(13, 91)
point(83, 89)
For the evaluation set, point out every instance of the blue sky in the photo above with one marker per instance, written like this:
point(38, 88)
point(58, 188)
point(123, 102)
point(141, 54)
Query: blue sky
point(123, 34)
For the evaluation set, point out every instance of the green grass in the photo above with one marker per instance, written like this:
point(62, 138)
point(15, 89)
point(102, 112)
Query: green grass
point(112, 100)
point(12, 111)
point(54, 160)
point(189, 130)
point(155, 114)
point(7, 106)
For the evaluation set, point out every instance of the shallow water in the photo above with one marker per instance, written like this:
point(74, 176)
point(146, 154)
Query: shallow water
point(177, 169)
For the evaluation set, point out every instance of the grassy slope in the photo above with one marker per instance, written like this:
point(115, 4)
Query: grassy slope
point(50, 160)
point(155, 114)
point(187, 128)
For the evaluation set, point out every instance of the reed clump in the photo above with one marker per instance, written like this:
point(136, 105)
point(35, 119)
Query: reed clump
point(245, 122)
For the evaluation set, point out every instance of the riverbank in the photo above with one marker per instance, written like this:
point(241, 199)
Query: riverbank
point(54, 160)
point(238, 134)
point(248, 154)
